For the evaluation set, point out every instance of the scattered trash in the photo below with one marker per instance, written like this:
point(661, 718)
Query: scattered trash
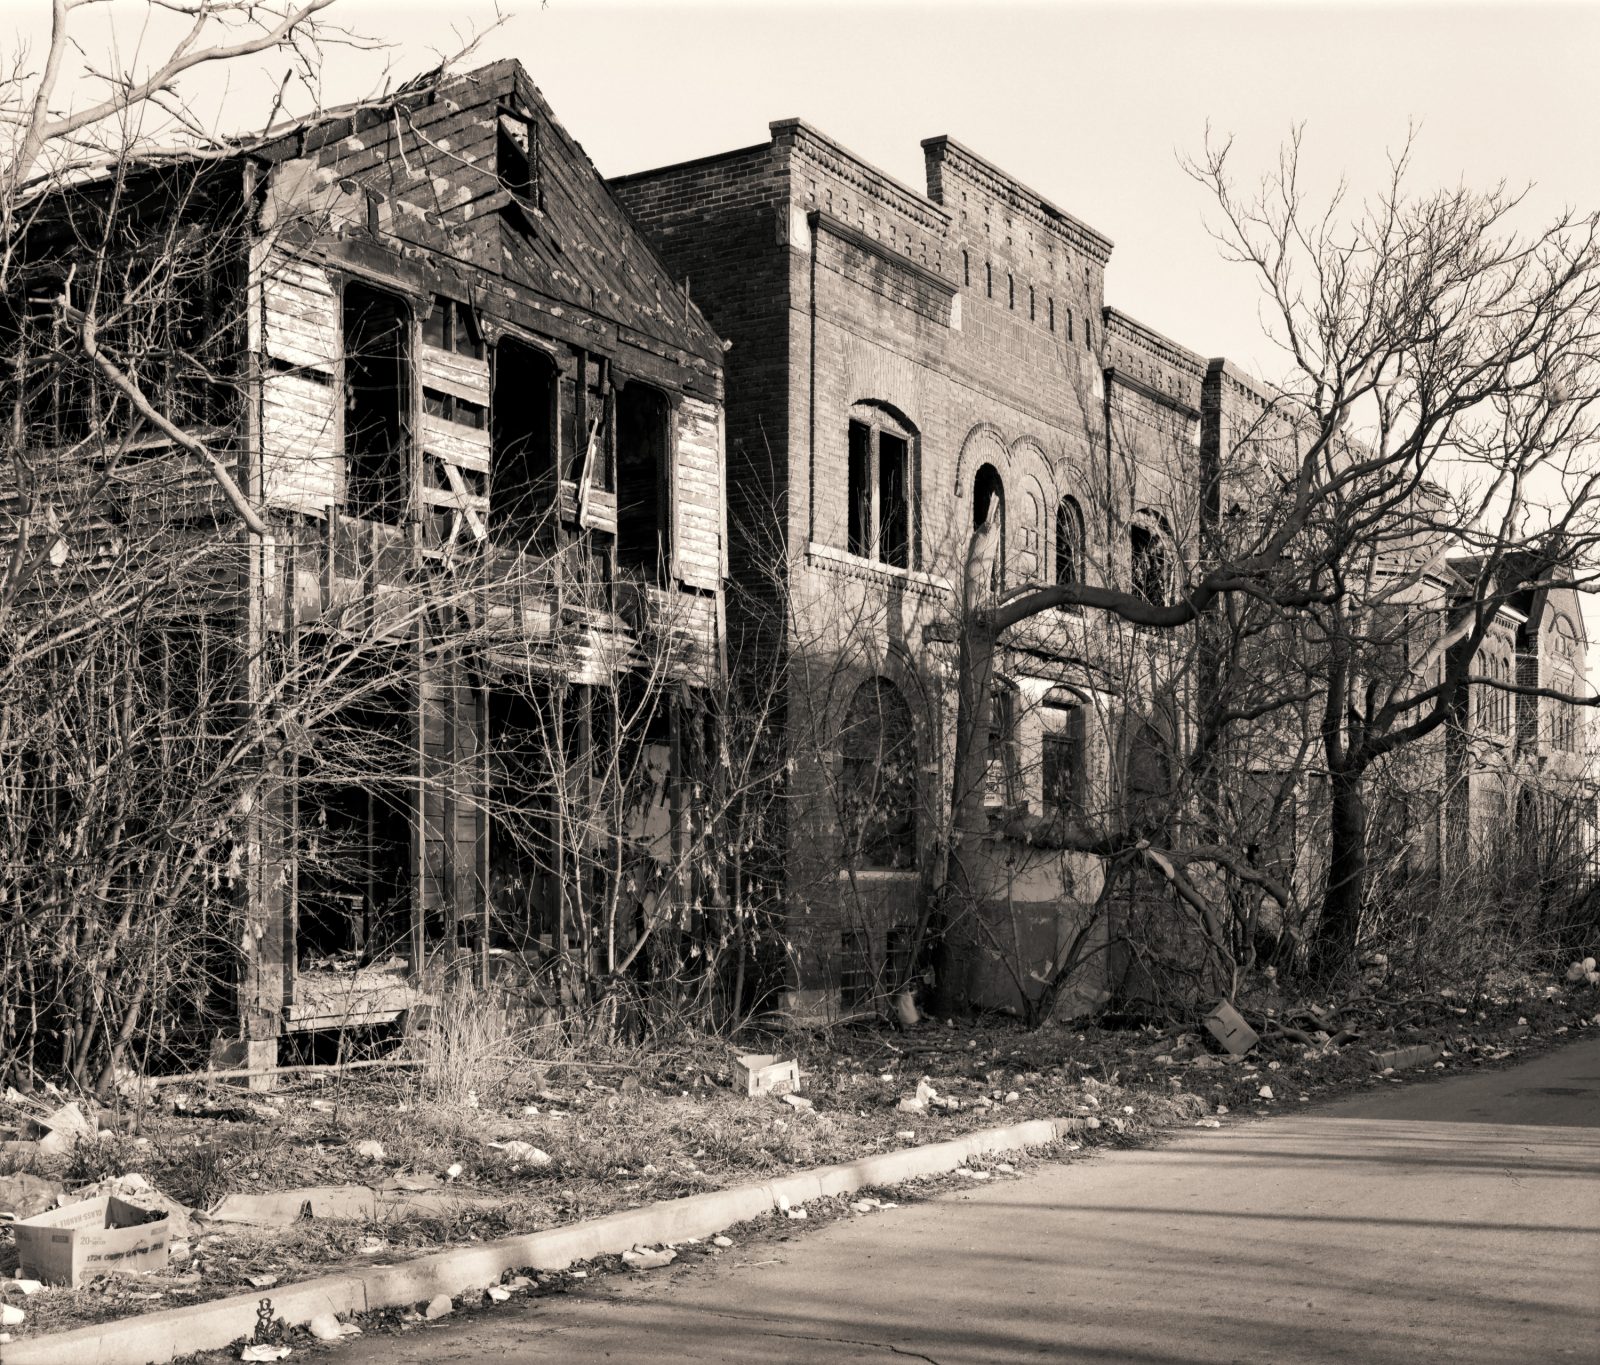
point(971, 1174)
point(905, 1009)
point(26, 1288)
point(1228, 1027)
point(438, 1306)
point(796, 1213)
point(262, 1281)
point(370, 1148)
point(264, 1351)
point(67, 1245)
point(134, 1189)
point(1265, 1092)
point(1208, 1123)
point(761, 1073)
point(11, 1315)
point(918, 1103)
point(1006, 1168)
point(518, 1150)
point(23, 1195)
point(906, 1135)
point(799, 1103)
point(496, 1294)
point(453, 1171)
point(644, 1258)
point(722, 1241)
point(327, 1327)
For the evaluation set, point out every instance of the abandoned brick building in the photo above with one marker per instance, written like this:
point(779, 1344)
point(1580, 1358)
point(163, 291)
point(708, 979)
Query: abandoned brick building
point(904, 365)
point(480, 428)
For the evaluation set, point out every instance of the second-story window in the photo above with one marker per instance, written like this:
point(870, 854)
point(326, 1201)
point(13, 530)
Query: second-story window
point(1151, 566)
point(453, 326)
point(880, 490)
point(377, 398)
point(1069, 543)
point(644, 489)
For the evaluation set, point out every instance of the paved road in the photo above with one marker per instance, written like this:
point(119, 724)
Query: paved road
point(1457, 1221)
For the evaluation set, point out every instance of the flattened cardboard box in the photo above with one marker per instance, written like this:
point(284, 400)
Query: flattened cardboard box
point(92, 1237)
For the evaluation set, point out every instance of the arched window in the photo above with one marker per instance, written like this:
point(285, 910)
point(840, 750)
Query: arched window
point(989, 508)
point(1069, 541)
point(878, 778)
point(880, 481)
point(1150, 562)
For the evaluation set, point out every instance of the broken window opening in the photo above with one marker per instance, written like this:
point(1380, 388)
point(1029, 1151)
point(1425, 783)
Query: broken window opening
point(449, 408)
point(989, 506)
point(1150, 567)
point(356, 821)
point(377, 373)
point(453, 326)
point(518, 156)
point(879, 475)
point(522, 469)
point(1062, 764)
point(1069, 545)
point(644, 449)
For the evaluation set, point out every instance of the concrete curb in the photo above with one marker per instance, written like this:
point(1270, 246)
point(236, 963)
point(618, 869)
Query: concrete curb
point(157, 1337)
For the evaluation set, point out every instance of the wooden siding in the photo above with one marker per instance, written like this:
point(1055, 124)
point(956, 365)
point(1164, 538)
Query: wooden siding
point(699, 494)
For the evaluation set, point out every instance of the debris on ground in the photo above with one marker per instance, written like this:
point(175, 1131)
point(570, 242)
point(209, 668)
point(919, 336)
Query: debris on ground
point(369, 1148)
point(58, 1133)
point(647, 1258)
point(438, 1306)
point(23, 1195)
point(524, 1152)
point(761, 1073)
point(327, 1327)
point(1228, 1027)
point(265, 1351)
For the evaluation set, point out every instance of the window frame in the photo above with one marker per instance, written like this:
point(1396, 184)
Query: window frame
point(869, 543)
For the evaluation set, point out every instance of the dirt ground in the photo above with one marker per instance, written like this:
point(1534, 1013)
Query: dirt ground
point(610, 1130)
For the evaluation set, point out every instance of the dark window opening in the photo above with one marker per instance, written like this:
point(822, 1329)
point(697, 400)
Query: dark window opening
point(1069, 324)
point(1088, 333)
point(1011, 290)
point(858, 540)
point(1003, 770)
point(879, 492)
point(522, 467)
point(1150, 569)
point(377, 392)
point(1052, 306)
point(644, 419)
point(1032, 311)
point(1069, 544)
point(1063, 768)
point(989, 507)
point(878, 779)
point(966, 268)
point(449, 408)
point(517, 156)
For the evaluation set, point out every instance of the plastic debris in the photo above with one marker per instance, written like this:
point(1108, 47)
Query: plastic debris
point(799, 1103)
point(370, 1148)
point(264, 1351)
point(722, 1241)
point(518, 1150)
point(646, 1258)
point(1265, 1092)
point(438, 1306)
point(23, 1195)
point(24, 1287)
point(327, 1327)
point(495, 1294)
point(11, 1315)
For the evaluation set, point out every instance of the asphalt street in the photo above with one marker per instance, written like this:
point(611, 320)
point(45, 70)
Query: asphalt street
point(1450, 1221)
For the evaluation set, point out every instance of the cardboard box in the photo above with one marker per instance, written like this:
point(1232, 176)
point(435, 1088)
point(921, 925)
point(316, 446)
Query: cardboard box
point(763, 1074)
point(69, 1245)
point(1228, 1027)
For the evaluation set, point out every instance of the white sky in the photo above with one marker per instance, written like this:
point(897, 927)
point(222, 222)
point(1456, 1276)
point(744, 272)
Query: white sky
point(1089, 104)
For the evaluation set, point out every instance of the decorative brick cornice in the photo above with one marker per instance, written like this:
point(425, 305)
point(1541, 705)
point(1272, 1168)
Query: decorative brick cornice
point(839, 160)
point(947, 152)
point(822, 221)
point(1120, 325)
